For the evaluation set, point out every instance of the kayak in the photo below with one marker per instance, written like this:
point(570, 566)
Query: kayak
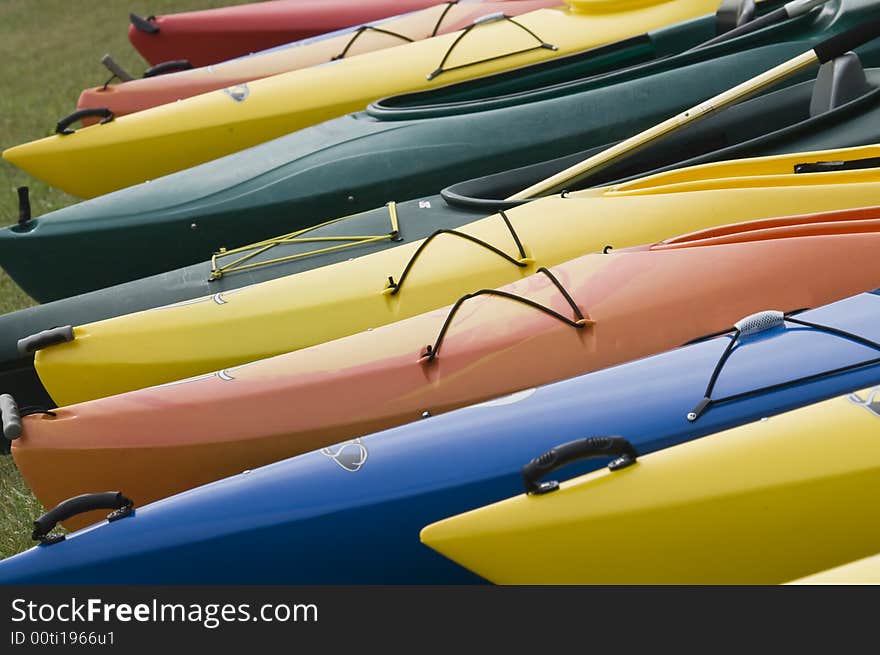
point(862, 572)
point(214, 35)
point(342, 167)
point(151, 143)
point(227, 329)
point(374, 494)
point(759, 504)
point(158, 89)
point(579, 316)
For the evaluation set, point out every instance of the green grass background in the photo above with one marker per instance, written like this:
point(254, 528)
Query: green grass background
point(51, 52)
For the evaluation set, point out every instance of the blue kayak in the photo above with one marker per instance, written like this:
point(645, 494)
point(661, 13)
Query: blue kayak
point(351, 514)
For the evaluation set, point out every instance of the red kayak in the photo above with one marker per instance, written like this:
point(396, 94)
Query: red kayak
point(214, 35)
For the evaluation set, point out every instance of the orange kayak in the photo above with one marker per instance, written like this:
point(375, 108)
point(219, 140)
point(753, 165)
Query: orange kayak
point(136, 95)
point(589, 313)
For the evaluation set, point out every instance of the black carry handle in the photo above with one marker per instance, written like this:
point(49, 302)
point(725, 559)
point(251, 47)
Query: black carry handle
point(618, 447)
point(145, 25)
point(168, 67)
point(63, 126)
point(69, 508)
point(851, 39)
point(832, 166)
point(24, 205)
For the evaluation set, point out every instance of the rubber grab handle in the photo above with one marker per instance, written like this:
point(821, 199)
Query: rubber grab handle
point(618, 447)
point(490, 18)
point(71, 507)
point(760, 322)
point(851, 39)
point(10, 417)
point(63, 126)
point(168, 67)
point(143, 24)
point(44, 339)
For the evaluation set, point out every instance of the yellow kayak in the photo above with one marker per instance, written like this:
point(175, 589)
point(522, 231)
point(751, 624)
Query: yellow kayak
point(861, 572)
point(148, 144)
point(763, 503)
point(285, 314)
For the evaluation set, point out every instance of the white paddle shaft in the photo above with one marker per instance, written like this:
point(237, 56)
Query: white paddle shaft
point(571, 175)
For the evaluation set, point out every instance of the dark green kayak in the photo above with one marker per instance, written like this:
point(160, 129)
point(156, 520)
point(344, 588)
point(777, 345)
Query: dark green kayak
point(359, 161)
point(841, 110)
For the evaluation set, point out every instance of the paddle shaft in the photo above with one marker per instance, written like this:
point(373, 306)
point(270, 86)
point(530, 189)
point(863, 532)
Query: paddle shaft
point(597, 162)
point(825, 51)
